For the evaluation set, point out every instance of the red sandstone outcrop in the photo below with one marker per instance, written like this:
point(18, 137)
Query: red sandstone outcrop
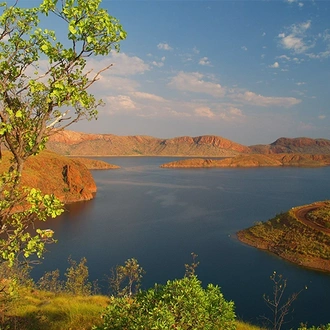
point(68, 179)
point(294, 145)
point(254, 160)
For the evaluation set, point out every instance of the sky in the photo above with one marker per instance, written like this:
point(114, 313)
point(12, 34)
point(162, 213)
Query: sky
point(249, 71)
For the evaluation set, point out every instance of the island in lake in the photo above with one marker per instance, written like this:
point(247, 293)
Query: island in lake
point(301, 235)
point(253, 160)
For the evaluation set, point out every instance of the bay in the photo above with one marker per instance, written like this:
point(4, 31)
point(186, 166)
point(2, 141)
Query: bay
point(160, 216)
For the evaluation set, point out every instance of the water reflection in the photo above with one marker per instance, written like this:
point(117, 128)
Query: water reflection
point(160, 216)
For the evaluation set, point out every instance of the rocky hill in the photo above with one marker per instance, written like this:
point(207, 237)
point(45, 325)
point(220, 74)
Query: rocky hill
point(294, 145)
point(68, 179)
point(254, 160)
point(82, 144)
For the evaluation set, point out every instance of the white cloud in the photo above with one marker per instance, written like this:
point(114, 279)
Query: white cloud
point(193, 82)
point(157, 64)
point(148, 96)
point(300, 4)
point(223, 113)
point(263, 34)
point(275, 65)
point(204, 61)
point(325, 37)
point(195, 50)
point(231, 114)
point(300, 83)
point(114, 83)
point(295, 39)
point(284, 57)
point(164, 46)
point(321, 55)
point(119, 103)
point(122, 65)
point(265, 101)
point(244, 48)
point(204, 112)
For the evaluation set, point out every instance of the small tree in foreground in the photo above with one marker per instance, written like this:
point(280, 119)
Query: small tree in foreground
point(279, 309)
point(125, 279)
point(179, 304)
point(42, 81)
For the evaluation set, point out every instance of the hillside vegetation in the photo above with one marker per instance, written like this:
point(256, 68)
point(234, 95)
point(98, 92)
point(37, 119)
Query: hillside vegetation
point(301, 235)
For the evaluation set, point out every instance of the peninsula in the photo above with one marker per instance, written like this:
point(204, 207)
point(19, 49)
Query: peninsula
point(301, 235)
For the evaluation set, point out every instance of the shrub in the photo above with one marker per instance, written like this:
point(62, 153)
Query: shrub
point(180, 304)
point(321, 327)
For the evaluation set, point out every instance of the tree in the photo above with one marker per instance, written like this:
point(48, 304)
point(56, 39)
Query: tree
point(179, 304)
point(42, 80)
point(279, 309)
point(125, 279)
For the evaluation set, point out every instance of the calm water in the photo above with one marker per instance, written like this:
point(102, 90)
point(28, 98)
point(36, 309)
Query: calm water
point(160, 216)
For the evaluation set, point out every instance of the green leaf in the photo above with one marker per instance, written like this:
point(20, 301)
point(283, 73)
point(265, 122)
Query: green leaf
point(72, 29)
point(19, 114)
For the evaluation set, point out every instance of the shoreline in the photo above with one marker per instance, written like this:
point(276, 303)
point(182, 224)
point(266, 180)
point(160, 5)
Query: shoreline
point(294, 237)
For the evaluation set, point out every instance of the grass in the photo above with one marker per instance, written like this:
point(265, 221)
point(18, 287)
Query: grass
point(38, 310)
point(247, 326)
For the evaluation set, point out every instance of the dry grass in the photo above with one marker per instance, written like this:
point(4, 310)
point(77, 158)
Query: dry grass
point(39, 310)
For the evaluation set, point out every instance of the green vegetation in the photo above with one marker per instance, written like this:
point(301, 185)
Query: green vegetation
point(74, 303)
point(321, 216)
point(39, 77)
point(294, 236)
point(179, 304)
point(322, 327)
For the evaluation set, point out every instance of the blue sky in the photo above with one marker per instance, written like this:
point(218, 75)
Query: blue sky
point(249, 71)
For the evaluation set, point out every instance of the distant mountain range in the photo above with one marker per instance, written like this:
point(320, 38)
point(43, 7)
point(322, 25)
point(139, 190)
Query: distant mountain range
point(82, 144)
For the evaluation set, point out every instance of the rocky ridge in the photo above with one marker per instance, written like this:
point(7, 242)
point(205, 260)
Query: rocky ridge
point(82, 144)
point(253, 160)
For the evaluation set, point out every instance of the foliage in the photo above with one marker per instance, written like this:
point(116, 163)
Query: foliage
point(125, 279)
point(77, 278)
point(41, 80)
point(279, 309)
point(51, 282)
point(321, 327)
point(191, 268)
point(180, 304)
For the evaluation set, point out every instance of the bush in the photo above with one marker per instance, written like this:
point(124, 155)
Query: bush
point(321, 327)
point(180, 304)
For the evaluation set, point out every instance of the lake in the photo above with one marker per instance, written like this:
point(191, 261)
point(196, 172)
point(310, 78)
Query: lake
point(160, 216)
